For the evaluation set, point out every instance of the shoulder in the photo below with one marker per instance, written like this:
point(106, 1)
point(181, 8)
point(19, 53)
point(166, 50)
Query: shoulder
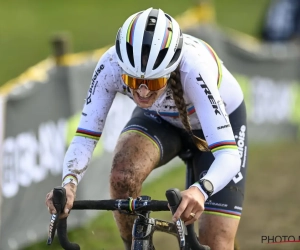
point(109, 57)
point(108, 71)
point(195, 53)
point(108, 62)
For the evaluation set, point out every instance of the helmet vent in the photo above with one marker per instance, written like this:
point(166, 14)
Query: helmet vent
point(151, 24)
point(130, 53)
point(174, 58)
point(177, 52)
point(160, 58)
point(152, 20)
point(118, 45)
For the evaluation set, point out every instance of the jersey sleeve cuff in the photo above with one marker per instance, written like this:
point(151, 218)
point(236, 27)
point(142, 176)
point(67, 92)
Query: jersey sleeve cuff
point(69, 179)
point(201, 190)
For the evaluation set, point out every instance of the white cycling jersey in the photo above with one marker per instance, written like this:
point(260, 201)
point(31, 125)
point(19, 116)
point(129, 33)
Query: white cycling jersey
point(210, 92)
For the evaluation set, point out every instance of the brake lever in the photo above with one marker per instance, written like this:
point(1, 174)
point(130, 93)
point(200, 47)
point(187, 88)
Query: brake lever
point(59, 201)
point(174, 198)
point(188, 238)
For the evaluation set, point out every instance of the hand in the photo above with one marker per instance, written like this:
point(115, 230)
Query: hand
point(70, 194)
point(192, 203)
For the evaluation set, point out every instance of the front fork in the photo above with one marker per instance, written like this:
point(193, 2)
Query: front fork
point(142, 231)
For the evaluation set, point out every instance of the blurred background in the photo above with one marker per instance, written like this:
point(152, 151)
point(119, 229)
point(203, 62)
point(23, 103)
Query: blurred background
point(48, 51)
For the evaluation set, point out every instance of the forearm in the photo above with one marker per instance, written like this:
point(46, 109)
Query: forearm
point(222, 170)
point(77, 159)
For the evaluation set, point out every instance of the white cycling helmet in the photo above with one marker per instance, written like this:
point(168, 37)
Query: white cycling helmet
point(152, 33)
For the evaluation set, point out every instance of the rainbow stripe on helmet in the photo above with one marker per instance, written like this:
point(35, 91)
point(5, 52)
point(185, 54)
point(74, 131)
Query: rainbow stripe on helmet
point(131, 28)
point(168, 35)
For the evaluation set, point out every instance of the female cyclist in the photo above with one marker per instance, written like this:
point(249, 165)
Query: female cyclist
point(186, 99)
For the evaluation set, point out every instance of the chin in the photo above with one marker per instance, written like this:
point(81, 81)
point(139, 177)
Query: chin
point(143, 104)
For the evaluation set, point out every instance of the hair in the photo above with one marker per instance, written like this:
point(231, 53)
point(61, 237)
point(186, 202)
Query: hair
point(176, 86)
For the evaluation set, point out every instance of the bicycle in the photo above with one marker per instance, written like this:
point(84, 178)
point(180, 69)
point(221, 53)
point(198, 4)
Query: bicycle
point(144, 226)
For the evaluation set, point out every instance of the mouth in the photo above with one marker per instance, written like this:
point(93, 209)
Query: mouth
point(144, 99)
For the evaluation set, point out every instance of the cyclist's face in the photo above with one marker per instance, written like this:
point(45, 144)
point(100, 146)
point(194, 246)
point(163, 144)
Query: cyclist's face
point(142, 96)
point(145, 98)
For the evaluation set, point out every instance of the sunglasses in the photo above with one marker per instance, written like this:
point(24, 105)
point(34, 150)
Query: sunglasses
point(152, 84)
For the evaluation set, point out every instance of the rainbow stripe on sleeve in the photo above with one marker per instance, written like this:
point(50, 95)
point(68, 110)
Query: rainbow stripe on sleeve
point(88, 133)
point(218, 61)
point(223, 145)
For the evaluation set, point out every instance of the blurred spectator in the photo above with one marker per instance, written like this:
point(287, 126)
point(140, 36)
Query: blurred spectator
point(282, 21)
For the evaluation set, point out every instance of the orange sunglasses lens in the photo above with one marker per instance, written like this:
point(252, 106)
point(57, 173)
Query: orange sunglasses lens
point(152, 84)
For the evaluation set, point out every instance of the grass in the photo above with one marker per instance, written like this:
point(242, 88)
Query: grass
point(245, 16)
point(269, 207)
point(27, 26)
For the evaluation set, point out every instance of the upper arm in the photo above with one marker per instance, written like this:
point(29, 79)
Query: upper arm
point(100, 96)
point(200, 86)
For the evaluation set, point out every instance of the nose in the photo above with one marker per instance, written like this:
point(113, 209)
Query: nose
point(143, 90)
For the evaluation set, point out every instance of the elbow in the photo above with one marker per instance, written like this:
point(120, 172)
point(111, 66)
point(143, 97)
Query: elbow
point(231, 159)
point(236, 162)
point(237, 165)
